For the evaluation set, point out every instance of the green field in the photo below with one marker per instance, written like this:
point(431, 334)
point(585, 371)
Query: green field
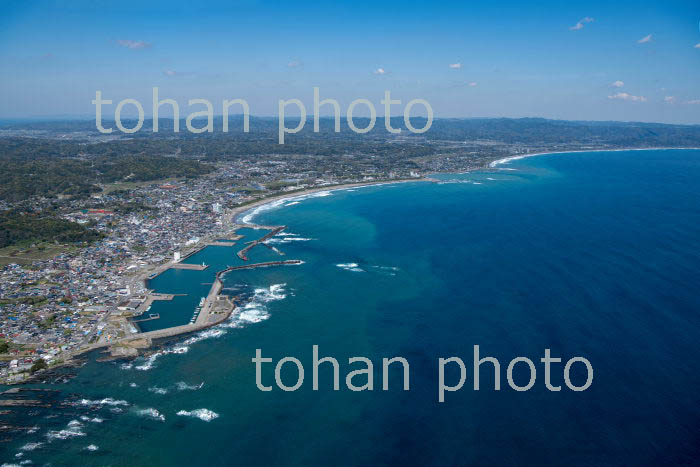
point(42, 251)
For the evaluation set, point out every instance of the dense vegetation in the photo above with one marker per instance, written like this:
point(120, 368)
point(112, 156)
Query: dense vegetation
point(25, 228)
point(38, 167)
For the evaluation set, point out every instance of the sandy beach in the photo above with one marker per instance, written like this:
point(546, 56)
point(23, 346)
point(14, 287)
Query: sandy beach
point(236, 213)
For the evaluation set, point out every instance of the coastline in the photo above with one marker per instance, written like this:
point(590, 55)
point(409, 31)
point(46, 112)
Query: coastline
point(238, 217)
point(233, 217)
point(238, 214)
point(241, 217)
point(506, 160)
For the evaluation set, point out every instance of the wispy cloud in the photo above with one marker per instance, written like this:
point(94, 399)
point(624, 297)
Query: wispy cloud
point(670, 99)
point(473, 84)
point(697, 46)
point(170, 72)
point(581, 23)
point(455, 66)
point(627, 97)
point(134, 45)
point(644, 39)
point(380, 71)
point(295, 64)
point(617, 84)
point(693, 102)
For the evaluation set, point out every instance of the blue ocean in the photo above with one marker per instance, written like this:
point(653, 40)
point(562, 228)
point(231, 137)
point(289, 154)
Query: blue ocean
point(593, 255)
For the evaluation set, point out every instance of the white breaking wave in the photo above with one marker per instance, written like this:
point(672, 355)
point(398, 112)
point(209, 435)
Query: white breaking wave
point(31, 446)
point(133, 385)
point(288, 239)
point(157, 390)
point(73, 430)
point(91, 447)
point(354, 267)
point(206, 334)
point(64, 434)
point(91, 420)
point(248, 217)
point(151, 359)
point(101, 402)
point(255, 310)
point(151, 413)
point(292, 203)
point(181, 348)
point(182, 386)
point(202, 414)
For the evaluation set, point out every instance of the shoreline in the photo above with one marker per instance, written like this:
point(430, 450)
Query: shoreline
point(239, 213)
point(242, 217)
point(233, 218)
point(506, 160)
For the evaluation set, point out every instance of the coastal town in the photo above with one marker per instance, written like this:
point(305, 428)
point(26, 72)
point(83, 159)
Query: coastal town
point(82, 298)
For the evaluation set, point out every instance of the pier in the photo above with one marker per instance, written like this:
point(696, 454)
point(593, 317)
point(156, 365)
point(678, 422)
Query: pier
point(150, 317)
point(221, 243)
point(190, 267)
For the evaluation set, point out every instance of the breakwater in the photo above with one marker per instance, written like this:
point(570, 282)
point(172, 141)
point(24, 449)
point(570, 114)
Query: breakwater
point(274, 231)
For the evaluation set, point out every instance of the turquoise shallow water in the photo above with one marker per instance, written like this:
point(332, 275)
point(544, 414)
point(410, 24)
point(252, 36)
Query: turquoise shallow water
point(590, 255)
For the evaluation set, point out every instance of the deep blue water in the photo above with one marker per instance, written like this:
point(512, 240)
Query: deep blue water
point(593, 255)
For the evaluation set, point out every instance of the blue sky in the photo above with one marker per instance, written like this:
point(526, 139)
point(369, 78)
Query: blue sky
point(559, 59)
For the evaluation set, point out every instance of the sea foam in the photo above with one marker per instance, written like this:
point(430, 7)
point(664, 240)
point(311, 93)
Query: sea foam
point(151, 413)
point(205, 415)
point(354, 267)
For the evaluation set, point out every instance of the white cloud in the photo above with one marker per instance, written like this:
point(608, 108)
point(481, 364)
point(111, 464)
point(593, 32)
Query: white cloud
point(580, 24)
point(379, 71)
point(455, 66)
point(697, 46)
point(644, 39)
point(617, 84)
point(627, 97)
point(295, 64)
point(693, 102)
point(473, 84)
point(670, 99)
point(170, 73)
point(134, 45)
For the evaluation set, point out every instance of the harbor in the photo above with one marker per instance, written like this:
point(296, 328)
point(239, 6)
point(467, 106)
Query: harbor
point(211, 309)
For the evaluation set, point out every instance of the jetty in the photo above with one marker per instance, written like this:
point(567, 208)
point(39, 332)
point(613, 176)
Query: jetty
point(275, 230)
point(259, 265)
